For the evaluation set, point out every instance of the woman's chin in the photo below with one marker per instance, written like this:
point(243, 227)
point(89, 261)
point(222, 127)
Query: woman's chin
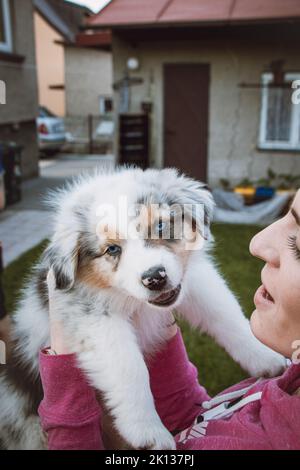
point(260, 327)
point(257, 326)
point(254, 322)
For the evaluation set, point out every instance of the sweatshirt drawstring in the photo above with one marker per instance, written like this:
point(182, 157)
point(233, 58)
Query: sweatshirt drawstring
point(207, 405)
point(218, 408)
point(226, 409)
point(221, 411)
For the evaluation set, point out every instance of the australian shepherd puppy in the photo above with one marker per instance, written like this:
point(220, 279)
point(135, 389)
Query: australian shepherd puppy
point(129, 247)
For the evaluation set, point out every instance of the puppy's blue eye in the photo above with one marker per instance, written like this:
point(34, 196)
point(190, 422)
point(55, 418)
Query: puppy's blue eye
point(113, 250)
point(160, 226)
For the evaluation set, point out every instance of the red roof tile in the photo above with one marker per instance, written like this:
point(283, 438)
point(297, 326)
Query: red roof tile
point(268, 9)
point(194, 10)
point(129, 11)
point(155, 12)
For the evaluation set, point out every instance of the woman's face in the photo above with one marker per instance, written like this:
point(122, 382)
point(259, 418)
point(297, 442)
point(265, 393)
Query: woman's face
point(276, 320)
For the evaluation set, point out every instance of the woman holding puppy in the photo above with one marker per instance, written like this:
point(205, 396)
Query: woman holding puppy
point(255, 414)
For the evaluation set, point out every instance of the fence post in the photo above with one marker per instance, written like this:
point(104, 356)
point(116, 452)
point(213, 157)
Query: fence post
point(90, 130)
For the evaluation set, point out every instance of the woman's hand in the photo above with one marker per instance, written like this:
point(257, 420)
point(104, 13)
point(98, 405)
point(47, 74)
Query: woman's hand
point(58, 341)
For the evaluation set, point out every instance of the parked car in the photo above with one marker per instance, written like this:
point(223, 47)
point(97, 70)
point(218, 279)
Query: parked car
point(51, 131)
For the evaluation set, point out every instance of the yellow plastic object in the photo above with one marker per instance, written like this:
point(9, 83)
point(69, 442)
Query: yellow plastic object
point(246, 191)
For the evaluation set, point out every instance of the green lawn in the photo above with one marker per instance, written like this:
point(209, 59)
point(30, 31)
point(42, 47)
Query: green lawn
point(216, 368)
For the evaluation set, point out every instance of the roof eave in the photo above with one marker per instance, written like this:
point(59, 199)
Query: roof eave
point(183, 24)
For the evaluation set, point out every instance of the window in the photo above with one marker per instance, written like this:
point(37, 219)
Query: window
point(105, 105)
point(5, 27)
point(280, 118)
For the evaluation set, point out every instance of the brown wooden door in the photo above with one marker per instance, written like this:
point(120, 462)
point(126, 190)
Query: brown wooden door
point(186, 98)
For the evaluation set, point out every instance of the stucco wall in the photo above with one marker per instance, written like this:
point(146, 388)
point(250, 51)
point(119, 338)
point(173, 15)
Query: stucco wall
point(234, 112)
point(20, 110)
point(88, 76)
point(50, 65)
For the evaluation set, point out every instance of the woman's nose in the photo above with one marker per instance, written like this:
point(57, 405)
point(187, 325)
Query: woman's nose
point(263, 246)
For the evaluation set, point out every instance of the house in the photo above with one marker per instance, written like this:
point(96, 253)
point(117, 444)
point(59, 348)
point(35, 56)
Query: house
point(18, 78)
point(56, 21)
point(213, 79)
point(74, 73)
point(88, 64)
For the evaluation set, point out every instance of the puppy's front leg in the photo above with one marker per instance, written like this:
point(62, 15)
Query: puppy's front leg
point(115, 366)
point(210, 305)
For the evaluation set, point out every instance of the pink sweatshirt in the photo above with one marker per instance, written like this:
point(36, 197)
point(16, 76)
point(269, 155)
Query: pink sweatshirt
point(71, 416)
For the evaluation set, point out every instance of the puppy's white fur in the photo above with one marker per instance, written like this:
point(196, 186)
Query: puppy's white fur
point(113, 329)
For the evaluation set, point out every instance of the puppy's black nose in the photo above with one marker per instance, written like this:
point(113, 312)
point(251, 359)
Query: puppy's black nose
point(155, 278)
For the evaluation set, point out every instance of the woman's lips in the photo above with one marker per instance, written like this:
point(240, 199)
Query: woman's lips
point(263, 298)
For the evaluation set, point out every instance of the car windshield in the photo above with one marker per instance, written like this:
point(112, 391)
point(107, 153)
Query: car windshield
point(44, 112)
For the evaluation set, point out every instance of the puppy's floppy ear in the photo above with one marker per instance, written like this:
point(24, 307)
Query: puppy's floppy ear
point(199, 194)
point(62, 255)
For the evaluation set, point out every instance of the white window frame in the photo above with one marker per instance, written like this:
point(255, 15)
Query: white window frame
point(294, 143)
point(7, 45)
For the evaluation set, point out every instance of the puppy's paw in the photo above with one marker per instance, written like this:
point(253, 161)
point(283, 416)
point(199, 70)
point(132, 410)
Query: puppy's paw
point(266, 363)
point(151, 436)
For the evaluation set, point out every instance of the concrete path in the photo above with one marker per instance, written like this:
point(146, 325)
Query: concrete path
point(27, 223)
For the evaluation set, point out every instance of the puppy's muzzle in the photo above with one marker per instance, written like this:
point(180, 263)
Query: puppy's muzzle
point(155, 278)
